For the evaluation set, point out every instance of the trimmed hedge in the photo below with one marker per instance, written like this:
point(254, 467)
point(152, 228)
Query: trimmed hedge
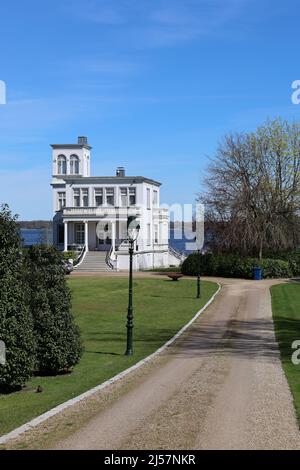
point(16, 323)
point(57, 336)
point(235, 266)
point(37, 327)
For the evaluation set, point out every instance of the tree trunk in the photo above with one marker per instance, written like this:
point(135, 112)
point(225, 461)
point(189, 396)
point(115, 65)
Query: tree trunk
point(260, 255)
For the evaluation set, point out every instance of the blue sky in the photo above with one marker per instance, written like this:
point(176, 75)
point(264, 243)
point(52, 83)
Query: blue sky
point(154, 84)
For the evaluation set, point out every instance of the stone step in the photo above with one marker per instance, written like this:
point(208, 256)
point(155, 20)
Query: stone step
point(92, 267)
point(86, 268)
point(93, 270)
point(101, 260)
point(94, 262)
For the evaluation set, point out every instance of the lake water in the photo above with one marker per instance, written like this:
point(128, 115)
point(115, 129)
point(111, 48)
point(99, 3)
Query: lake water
point(180, 241)
point(35, 236)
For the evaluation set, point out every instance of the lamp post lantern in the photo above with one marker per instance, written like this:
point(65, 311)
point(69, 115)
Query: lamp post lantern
point(133, 229)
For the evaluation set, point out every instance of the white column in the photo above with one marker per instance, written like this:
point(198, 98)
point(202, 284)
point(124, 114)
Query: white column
point(113, 236)
point(86, 235)
point(65, 236)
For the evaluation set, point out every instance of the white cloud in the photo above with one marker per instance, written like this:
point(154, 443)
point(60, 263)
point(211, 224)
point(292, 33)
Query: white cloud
point(160, 22)
point(99, 66)
point(100, 12)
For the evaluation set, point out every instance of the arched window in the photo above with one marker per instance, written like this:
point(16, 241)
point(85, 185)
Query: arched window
point(61, 165)
point(74, 165)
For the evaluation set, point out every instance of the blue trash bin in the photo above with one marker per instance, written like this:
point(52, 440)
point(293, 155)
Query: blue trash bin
point(257, 273)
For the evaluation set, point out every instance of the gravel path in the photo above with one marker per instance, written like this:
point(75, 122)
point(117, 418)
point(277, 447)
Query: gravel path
point(220, 387)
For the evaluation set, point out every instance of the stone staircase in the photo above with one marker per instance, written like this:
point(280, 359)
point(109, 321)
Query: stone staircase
point(94, 262)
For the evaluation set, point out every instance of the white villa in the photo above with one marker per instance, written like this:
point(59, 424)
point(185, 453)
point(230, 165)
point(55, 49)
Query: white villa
point(90, 213)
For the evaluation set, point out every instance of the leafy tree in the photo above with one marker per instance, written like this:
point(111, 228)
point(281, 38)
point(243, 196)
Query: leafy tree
point(252, 196)
point(16, 326)
point(57, 336)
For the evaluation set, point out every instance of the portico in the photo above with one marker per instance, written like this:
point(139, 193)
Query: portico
point(102, 235)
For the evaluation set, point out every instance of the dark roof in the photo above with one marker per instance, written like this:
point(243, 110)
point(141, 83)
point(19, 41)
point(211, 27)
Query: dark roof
point(71, 146)
point(107, 179)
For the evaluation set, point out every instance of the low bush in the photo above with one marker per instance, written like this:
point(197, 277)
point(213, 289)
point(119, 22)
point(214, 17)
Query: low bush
point(275, 268)
point(234, 266)
point(69, 255)
point(293, 258)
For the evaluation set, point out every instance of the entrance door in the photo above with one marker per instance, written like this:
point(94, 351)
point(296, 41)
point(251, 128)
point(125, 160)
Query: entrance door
point(104, 244)
point(104, 240)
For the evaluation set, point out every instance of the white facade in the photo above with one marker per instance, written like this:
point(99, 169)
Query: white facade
point(93, 211)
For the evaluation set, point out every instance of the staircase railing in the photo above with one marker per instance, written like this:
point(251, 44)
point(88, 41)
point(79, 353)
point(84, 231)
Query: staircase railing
point(80, 257)
point(177, 254)
point(108, 259)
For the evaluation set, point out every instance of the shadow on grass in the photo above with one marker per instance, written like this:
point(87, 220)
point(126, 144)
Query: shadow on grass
point(190, 297)
point(104, 353)
point(154, 336)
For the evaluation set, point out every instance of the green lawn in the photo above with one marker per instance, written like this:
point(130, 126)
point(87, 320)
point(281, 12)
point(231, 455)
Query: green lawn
point(161, 306)
point(286, 313)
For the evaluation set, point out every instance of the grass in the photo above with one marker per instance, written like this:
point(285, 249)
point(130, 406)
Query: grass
point(172, 269)
point(286, 314)
point(161, 308)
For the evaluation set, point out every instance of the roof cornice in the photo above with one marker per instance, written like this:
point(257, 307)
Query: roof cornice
point(70, 179)
point(71, 146)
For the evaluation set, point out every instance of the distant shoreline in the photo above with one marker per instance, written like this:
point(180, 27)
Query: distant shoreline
point(35, 224)
point(47, 224)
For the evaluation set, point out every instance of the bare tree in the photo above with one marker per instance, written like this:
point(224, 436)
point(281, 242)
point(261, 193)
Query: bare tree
point(252, 193)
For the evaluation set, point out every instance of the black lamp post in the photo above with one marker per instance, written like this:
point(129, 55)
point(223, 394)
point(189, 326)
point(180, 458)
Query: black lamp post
point(133, 229)
point(198, 275)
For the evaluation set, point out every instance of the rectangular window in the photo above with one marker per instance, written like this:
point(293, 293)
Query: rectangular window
point(85, 197)
point(61, 200)
point(148, 199)
point(148, 234)
point(123, 192)
point(110, 197)
point(155, 233)
point(155, 199)
point(132, 197)
point(79, 234)
point(98, 197)
point(76, 197)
